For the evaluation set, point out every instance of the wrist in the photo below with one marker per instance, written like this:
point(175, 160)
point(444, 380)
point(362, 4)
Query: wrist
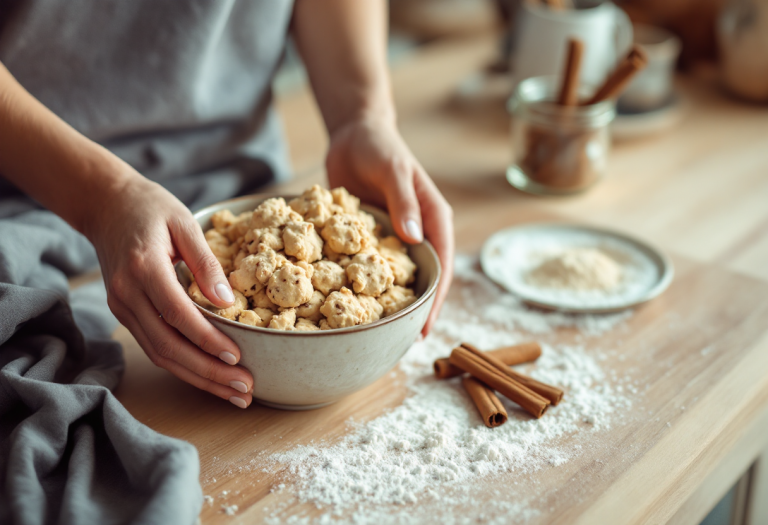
point(106, 179)
point(370, 110)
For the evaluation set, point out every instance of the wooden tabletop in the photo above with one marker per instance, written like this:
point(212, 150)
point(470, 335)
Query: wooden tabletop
point(699, 191)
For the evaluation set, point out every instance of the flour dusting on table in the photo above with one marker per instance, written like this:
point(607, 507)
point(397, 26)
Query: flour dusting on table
point(431, 449)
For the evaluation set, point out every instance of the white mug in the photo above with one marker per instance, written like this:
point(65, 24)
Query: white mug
point(541, 36)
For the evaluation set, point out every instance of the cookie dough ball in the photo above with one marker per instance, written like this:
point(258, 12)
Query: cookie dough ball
point(289, 286)
point(305, 325)
point(349, 203)
point(328, 277)
point(256, 317)
point(403, 268)
point(273, 213)
point(345, 234)
point(372, 308)
point(370, 274)
point(396, 298)
point(311, 309)
point(342, 309)
point(241, 303)
point(271, 237)
point(323, 325)
point(196, 294)
point(284, 320)
point(302, 241)
point(261, 300)
point(311, 198)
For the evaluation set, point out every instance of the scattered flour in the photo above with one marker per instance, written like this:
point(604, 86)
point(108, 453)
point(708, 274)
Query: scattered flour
point(229, 510)
point(430, 449)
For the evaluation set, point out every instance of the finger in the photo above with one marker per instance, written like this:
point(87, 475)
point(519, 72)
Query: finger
point(438, 228)
point(230, 394)
point(401, 199)
point(170, 345)
point(189, 240)
point(168, 297)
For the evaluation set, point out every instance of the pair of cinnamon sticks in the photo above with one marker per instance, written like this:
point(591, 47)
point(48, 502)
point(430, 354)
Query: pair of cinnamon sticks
point(490, 371)
point(557, 156)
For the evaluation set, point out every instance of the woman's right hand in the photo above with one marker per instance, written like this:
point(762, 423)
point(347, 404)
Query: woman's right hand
point(140, 230)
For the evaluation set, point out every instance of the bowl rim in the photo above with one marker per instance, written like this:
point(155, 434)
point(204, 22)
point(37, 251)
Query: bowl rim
point(428, 293)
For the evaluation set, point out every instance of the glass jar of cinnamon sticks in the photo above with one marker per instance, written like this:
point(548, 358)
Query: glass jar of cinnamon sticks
point(557, 149)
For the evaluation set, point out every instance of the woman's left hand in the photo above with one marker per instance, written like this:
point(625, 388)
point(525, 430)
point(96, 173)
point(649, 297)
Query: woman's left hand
point(371, 160)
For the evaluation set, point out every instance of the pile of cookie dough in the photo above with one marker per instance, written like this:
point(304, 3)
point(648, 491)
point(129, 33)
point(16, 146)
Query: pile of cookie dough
point(316, 263)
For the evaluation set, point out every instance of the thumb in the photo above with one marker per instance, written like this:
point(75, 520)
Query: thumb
point(194, 250)
point(403, 204)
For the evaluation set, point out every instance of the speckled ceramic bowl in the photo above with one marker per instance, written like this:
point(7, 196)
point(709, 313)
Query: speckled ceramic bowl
point(305, 370)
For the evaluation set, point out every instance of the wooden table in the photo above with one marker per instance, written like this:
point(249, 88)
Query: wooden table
point(699, 191)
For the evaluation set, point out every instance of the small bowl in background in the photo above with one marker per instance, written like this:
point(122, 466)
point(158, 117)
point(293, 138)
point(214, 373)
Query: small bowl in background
point(306, 370)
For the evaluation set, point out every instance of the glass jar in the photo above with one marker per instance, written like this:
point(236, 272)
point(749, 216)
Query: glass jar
point(557, 149)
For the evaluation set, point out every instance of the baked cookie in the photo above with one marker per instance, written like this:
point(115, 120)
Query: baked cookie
point(231, 313)
point(371, 307)
point(231, 226)
point(311, 309)
point(345, 233)
point(273, 213)
point(311, 198)
point(196, 294)
point(289, 286)
point(328, 276)
point(342, 309)
point(323, 324)
point(349, 203)
point(370, 274)
point(305, 325)
point(271, 237)
point(308, 268)
point(260, 300)
point(221, 249)
point(395, 299)
point(284, 320)
point(394, 252)
point(302, 241)
point(341, 259)
point(256, 317)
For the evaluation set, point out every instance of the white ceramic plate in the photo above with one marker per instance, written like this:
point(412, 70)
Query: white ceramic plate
point(508, 255)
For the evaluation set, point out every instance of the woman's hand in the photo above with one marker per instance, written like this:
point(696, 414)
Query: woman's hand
point(370, 159)
point(139, 233)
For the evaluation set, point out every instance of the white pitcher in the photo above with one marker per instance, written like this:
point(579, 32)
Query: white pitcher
point(541, 34)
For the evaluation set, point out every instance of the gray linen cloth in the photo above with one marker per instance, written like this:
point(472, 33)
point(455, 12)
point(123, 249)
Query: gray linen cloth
point(182, 92)
point(69, 451)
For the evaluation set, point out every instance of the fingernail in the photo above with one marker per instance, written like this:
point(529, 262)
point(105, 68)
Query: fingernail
point(224, 293)
point(239, 386)
point(238, 402)
point(413, 230)
point(228, 358)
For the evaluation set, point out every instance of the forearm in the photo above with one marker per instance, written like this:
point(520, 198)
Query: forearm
point(50, 161)
point(343, 45)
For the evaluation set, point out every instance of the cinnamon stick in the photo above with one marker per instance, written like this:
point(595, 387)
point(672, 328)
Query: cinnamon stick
point(617, 81)
point(488, 404)
point(552, 393)
point(509, 355)
point(479, 368)
point(569, 90)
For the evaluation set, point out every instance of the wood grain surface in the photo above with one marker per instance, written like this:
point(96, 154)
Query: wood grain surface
point(698, 353)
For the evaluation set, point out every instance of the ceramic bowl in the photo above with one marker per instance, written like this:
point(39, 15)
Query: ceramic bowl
point(305, 370)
